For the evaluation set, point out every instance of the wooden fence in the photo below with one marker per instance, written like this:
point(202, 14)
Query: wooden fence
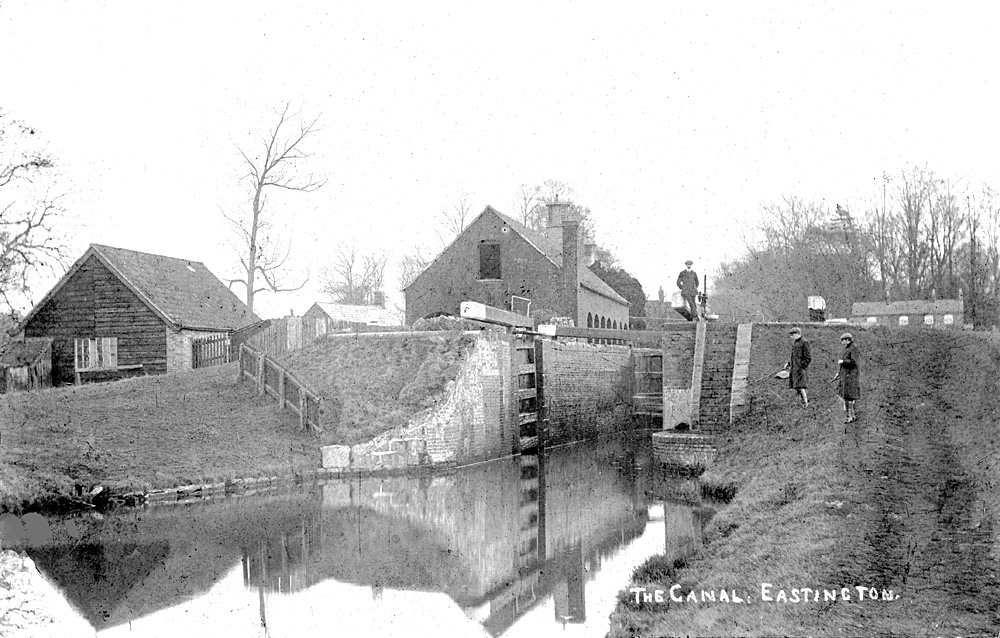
point(273, 379)
point(209, 351)
point(277, 338)
point(26, 365)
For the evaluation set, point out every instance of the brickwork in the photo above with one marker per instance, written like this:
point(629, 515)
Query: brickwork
point(179, 347)
point(588, 389)
point(683, 449)
point(717, 377)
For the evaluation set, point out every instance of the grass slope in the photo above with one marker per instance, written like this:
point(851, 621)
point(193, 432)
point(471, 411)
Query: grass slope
point(903, 499)
point(374, 383)
point(149, 432)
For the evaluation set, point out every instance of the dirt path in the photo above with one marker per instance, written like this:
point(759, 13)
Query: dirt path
point(922, 531)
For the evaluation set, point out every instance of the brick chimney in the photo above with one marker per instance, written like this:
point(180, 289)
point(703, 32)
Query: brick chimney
point(558, 211)
point(570, 268)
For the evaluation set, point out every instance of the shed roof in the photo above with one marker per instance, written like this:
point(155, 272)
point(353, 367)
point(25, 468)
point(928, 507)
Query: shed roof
point(914, 307)
point(183, 292)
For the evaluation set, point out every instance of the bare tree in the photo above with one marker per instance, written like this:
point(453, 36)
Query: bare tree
point(454, 217)
point(355, 278)
point(410, 267)
point(27, 211)
point(525, 205)
point(914, 198)
point(274, 167)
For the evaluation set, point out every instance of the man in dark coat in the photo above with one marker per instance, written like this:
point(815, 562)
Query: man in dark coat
point(849, 374)
point(688, 282)
point(798, 363)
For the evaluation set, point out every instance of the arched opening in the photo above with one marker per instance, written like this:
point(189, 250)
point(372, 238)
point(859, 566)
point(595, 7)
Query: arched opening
point(602, 323)
point(590, 320)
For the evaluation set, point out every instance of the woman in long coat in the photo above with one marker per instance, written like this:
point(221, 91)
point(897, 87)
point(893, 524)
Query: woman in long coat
point(849, 375)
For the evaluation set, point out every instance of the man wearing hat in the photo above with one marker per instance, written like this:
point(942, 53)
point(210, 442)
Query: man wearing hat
point(798, 363)
point(688, 282)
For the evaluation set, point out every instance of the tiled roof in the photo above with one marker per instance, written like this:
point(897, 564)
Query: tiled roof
point(360, 314)
point(878, 308)
point(552, 249)
point(184, 293)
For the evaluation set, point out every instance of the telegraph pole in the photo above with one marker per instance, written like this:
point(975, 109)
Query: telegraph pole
point(973, 228)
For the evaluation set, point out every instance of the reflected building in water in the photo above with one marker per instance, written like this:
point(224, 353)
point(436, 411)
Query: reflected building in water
point(499, 539)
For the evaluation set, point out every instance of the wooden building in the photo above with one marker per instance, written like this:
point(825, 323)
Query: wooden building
point(944, 313)
point(118, 312)
point(25, 365)
point(498, 261)
point(325, 317)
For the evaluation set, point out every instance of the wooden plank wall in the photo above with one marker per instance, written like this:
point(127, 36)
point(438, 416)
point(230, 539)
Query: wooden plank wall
point(94, 303)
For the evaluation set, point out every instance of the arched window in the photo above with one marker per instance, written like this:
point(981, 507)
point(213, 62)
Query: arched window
point(602, 323)
point(590, 320)
point(614, 325)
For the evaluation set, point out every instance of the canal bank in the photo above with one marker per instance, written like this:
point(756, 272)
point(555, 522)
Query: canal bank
point(519, 546)
point(901, 500)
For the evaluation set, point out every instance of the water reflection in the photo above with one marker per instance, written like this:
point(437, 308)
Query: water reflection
point(502, 541)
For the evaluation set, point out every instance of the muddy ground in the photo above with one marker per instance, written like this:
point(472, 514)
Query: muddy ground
point(907, 498)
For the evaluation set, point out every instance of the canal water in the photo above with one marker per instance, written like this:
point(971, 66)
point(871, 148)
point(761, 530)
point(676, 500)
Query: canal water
point(523, 546)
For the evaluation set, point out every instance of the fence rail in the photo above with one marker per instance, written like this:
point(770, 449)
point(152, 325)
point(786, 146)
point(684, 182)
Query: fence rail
point(209, 351)
point(275, 380)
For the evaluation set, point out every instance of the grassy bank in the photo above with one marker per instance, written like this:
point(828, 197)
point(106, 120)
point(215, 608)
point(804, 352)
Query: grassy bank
point(150, 432)
point(374, 383)
point(900, 500)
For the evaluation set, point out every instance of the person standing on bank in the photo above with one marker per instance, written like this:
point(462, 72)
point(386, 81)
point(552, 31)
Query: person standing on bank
point(798, 363)
point(849, 375)
point(688, 282)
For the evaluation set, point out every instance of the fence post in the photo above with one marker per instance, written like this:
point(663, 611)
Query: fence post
point(281, 388)
point(260, 374)
point(319, 413)
point(239, 372)
point(303, 408)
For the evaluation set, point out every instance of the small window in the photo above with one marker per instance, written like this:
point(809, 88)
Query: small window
point(96, 354)
point(949, 320)
point(904, 320)
point(872, 320)
point(928, 320)
point(489, 261)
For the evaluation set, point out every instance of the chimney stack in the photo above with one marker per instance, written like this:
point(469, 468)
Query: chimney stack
point(570, 268)
point(558, 211)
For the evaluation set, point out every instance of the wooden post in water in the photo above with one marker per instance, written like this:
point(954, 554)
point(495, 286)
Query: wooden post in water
point(542, 412)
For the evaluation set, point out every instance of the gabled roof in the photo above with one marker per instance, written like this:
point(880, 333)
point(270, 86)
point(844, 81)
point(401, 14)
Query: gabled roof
point(184, 293)
point(552, 250)
point(879, 309)
point(359, 314)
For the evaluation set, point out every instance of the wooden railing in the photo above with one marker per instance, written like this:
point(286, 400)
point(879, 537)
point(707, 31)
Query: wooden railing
point(275, 380)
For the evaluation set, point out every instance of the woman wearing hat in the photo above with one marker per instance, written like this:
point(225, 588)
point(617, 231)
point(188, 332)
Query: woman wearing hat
point(850, 386)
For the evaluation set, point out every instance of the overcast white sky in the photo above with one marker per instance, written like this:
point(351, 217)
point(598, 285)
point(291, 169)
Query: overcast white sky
point(672, 122)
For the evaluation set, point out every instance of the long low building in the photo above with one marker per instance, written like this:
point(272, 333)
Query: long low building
point(949, 313)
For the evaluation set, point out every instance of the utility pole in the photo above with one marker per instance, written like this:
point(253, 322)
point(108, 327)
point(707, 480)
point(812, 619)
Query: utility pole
point(973, 227)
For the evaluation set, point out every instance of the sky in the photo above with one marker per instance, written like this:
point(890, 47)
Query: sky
point(672, 122)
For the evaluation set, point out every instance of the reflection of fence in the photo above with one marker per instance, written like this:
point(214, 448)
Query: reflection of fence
point(274, 379)
point(209, 351)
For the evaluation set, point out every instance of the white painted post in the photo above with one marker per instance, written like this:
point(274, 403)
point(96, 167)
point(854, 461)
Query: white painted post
point(281, 389)
point(302, 408)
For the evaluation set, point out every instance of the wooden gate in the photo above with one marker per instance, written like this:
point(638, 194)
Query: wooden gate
point(648, 398)
point(530, 398)
point(209, 351)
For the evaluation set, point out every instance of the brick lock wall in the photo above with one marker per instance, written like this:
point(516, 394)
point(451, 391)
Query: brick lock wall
point(587, 389)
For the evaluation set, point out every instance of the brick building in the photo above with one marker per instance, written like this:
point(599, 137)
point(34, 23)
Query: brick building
point(496, 258)
point(948, 313)
point(118, 310)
